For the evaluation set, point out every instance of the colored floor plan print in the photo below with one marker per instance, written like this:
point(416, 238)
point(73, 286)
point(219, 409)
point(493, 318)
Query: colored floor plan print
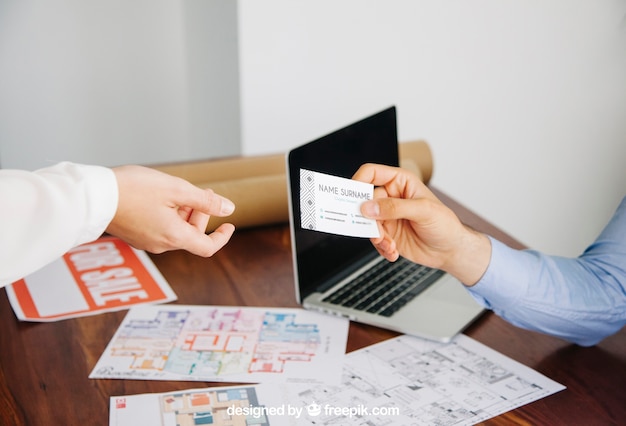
point(211, 343)
point(210, 407)
point(245, 405)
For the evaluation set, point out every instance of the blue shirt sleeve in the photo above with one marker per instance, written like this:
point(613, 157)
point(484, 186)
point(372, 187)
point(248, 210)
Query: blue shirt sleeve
point(581, 299)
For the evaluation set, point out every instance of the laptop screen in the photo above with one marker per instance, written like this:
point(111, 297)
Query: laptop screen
point(321, 257)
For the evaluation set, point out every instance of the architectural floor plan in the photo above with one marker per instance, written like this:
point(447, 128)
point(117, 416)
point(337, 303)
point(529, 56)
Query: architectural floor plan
point(217, 406)
point(234, 344)
point(209, 407)
point(407, 380)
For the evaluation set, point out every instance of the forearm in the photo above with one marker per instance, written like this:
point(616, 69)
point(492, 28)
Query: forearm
point(47, 212)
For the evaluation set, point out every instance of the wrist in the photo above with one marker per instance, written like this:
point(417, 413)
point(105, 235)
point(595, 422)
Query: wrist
point(470, 258)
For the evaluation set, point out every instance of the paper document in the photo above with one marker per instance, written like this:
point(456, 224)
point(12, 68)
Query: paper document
point(407, 380)
point(401, 381)
point(259, 405)
point(101, 276)
point(332, 204)
point(225, 344)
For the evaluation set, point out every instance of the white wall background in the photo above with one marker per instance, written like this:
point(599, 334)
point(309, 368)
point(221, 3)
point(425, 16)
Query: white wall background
point(522, 102)
point(111, 82)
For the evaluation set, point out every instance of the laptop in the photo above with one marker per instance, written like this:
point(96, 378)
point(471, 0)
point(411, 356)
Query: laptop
point(346, 276)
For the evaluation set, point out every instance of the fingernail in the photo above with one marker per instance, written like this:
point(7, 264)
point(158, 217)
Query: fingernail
point(370, 209)
point(227, 207)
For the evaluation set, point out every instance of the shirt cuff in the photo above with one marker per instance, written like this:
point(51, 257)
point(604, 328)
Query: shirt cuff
point(505, 280)
point(102, 196)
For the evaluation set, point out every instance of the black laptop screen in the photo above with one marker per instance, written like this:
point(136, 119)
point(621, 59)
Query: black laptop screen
point(321, 256)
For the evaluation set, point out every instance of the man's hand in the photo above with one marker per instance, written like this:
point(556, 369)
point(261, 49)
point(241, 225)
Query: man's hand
point(415, 224)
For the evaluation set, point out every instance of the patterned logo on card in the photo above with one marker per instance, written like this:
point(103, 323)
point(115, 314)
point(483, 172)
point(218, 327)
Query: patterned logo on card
point(307, 199)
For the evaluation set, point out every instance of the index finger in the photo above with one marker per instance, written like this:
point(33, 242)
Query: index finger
point(376, 174)
point(203, 200)
point(397, 182)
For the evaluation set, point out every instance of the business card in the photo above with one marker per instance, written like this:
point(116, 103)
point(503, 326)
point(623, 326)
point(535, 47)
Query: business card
point(332, 204)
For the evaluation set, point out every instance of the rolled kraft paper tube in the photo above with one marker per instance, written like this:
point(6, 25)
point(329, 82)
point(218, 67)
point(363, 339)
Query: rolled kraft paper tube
point(258, 186)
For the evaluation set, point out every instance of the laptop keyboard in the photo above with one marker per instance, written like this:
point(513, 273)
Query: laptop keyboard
point(385, 288)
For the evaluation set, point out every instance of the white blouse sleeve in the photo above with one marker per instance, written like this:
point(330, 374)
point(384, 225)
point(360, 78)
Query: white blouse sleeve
point(45, 213)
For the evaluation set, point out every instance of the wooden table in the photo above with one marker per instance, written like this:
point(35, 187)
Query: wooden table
point(44, 367)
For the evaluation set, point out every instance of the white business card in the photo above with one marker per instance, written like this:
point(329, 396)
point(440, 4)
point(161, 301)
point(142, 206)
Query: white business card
point(333, 204)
